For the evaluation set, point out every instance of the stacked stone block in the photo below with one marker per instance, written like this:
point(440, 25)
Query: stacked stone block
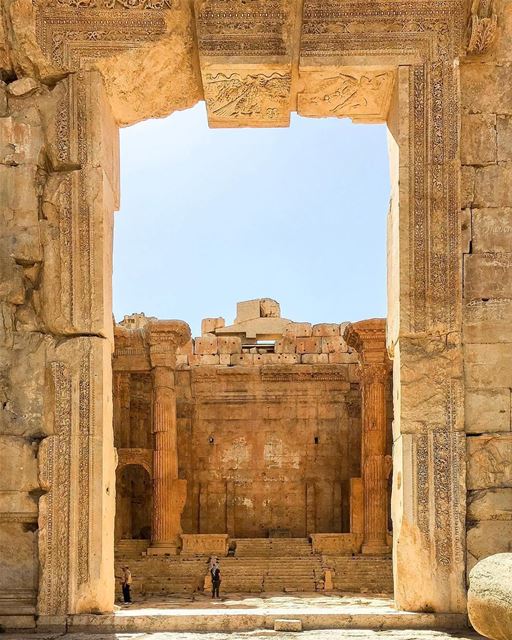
point(486, 158)
point(301, 343)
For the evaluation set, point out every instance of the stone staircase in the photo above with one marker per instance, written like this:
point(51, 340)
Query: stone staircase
point(272, 547)
point(271, 575)
point(127, 549)
point(361, 574)
point(165, 575)
point(270, 565)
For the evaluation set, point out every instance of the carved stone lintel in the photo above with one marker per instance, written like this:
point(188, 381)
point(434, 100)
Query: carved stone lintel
point(345, 92)
point(483, 26)
point(248, 97)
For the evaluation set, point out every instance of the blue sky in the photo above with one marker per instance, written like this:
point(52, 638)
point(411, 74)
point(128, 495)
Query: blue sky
point(212, 216)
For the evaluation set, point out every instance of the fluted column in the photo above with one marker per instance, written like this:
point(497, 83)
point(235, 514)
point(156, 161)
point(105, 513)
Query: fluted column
point(169, 492)
point(369, 340)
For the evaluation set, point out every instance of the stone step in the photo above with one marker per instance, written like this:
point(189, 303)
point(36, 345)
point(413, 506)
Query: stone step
point(252, 574)
point(131, 548)
point(247, 547)
point(361, 617)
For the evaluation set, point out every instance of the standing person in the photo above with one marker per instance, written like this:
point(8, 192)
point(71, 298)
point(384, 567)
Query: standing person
point(126, 582)
point(215, 581)
point(213, 562)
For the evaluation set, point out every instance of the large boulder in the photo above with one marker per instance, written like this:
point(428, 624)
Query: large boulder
point(490, 597)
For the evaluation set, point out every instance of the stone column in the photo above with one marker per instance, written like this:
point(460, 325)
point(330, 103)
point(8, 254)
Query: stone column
point(169, 492)
point(368, 337)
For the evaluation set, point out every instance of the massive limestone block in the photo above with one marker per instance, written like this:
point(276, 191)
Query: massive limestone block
point(159, 77)
point(147, 55)
point(489, 461)
point(490, 597)
point(489, 517)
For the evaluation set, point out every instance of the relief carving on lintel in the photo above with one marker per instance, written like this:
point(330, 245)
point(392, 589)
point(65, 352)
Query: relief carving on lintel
point(363, 95)
point(245, 53)
point(247, 97)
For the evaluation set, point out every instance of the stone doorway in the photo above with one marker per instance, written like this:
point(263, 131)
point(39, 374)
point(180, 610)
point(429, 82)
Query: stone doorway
point(401, 63)
point(134, 498)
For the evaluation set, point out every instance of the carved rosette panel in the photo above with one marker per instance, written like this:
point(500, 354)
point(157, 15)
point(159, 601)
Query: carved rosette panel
point(247, 98)
point(362, 95)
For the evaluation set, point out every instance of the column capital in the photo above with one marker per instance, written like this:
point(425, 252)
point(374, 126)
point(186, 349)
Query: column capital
point(163, 338)
point(368, 338)
point(375, 372)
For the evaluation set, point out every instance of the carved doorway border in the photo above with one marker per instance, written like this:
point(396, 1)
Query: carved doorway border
point(421, 40)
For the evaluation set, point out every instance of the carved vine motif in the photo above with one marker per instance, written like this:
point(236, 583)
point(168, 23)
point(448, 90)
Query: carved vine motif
point(56, 479)
point(483, 26)
point(112, 4)
point(85, 398)
point(256, 96)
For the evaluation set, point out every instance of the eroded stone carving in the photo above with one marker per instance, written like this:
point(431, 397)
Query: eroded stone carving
point(364, 95)
point(483, 26)
point(245, 98)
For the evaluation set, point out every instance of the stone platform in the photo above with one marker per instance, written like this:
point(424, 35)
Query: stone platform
point(249, 613)
point(326, 634)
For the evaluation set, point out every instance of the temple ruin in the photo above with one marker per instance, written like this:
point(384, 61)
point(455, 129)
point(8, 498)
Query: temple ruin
point(437, 72)
point(271, 430)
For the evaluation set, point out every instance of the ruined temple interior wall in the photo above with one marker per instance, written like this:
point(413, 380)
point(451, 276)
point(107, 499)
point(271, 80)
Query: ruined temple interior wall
point(267, 442)
point(486, 218)
point(262, 454)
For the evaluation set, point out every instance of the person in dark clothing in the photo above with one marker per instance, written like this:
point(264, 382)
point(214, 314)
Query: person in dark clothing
point(215, 581)
point(126, 582)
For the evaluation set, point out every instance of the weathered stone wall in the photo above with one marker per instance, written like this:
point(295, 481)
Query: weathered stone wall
point(486, 158)
point(55, 341)
point(265, 449)
point(266, 441)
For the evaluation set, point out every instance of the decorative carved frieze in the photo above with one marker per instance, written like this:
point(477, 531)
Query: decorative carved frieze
point(55, 517)
point(71, 35)
point(240, 28)
point(483, 26)
point(85, 433)
point(247, 98)
point(361, 95)
point(112, 4)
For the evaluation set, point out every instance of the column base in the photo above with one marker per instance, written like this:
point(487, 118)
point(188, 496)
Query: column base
point(375, 549)
point(163, 549)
